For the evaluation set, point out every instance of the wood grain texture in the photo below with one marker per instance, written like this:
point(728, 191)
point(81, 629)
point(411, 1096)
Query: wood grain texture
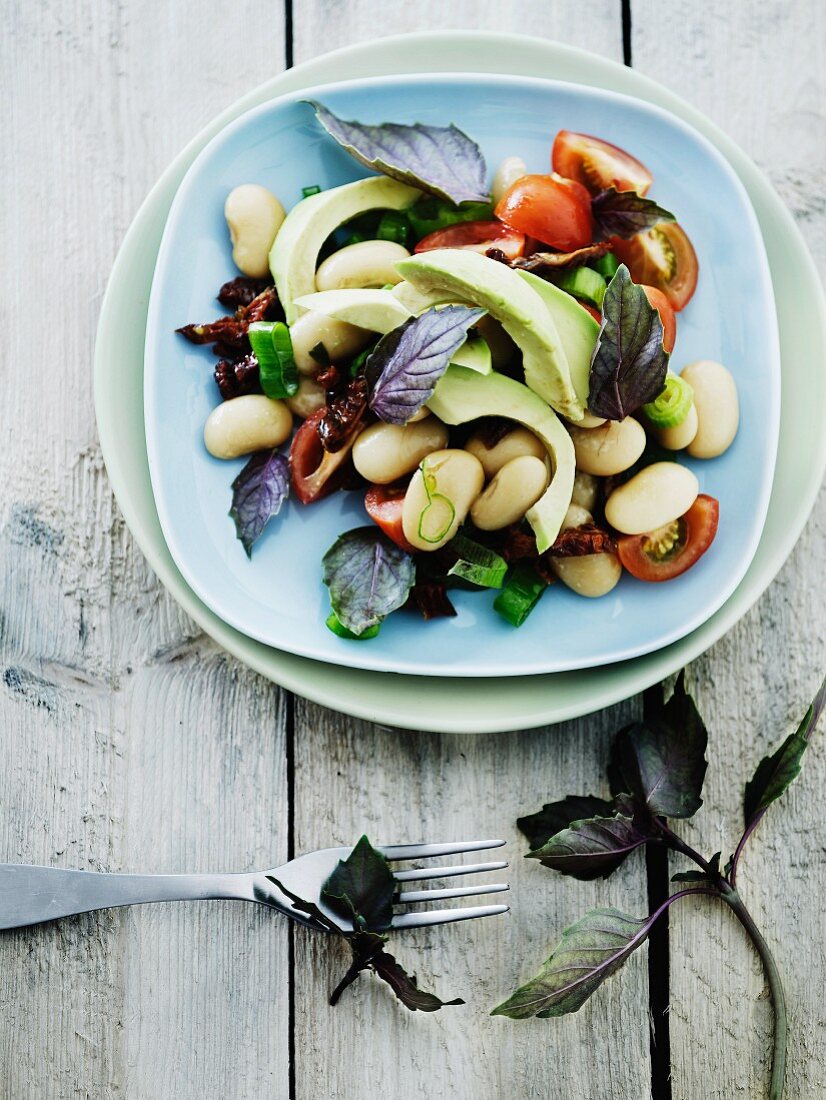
point(758, 72)
point(129, 740)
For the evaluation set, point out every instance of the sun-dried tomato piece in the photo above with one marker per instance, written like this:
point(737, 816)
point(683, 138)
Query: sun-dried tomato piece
point(431, 599)
point(343, 415)
point(264, 307)
point(518, 544)
point(542, 261)
point(227, 330)
point(241, 291)
point(574, 542)
point(237, 378)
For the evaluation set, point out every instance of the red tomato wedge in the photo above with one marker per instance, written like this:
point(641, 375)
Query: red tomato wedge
point(315, 472)
point(675, 548)
point(658, 300)
point(477, 236)
point(664, 258)
point(554, 210)
point(598, 164)
point(384, 505)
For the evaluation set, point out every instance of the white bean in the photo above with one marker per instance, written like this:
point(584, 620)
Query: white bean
point(509, 171)
point(254, 216)
point(246, 424)
point(518, 442)
point(366, 264)
point(585, 491)
point(514, 489)
point(655, 496)
point(591, 575)
point(718, 409)
point(678, 438)
point(576, 516)
point(386, 452)
point(339, 339)
point(439, 497)
point(308, 398)
point(590, 421)
point(609, 449)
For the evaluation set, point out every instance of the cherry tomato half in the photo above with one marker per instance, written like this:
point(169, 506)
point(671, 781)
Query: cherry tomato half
point(477, 236)
point(668, 317)
point(664, 258)
point(668, 552)
point(554, 210)
point(315, 472)
point(384, 505)
point(598, 164)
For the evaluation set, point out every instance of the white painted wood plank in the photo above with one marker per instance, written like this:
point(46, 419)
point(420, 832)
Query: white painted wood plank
point(129, 741)
point(757, 70)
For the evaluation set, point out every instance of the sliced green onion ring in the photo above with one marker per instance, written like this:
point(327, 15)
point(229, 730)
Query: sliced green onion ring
point(341, 631)
point(606, 265)
point(476, 563)
point(520, 595)
point(673, 405)
point(313, 189)
point(273, 349)
point(582, 282)
point(394, 226)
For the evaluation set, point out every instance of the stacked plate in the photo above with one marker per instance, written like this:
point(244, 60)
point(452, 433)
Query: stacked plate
point(471, 673)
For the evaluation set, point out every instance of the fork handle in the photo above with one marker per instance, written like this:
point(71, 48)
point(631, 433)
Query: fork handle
point(29, 894)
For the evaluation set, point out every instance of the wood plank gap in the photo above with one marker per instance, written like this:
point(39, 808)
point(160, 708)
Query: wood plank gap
point(626, 32)
point(656, 869)
point(288, 34)
point(290, 761)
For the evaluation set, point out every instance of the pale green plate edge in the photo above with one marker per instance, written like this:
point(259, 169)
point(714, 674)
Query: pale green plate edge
point(460, 705)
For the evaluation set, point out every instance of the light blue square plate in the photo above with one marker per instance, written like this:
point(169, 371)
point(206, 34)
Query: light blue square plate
point(278, 598)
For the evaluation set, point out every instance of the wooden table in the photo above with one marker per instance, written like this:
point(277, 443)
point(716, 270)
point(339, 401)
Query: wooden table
point(131, 742)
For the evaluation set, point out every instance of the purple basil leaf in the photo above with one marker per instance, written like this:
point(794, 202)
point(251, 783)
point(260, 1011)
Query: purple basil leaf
point(629, 365)
point(406, 364)
point(368, 577)
point(439, 159)
point(591, 848)
point(661, 763)
point(556, 816)
point(589, 952)
point(625, 213)
point(257, 494)
point(361, 888)
point(405, 986)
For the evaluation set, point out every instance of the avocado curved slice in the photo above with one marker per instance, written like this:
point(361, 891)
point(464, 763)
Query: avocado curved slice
point(463, 395)
point(376, 310)
point(471, 277)
point(294, 254)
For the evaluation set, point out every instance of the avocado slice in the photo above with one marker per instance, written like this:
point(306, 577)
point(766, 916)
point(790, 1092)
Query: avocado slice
point(470, 277)
point(577, 329)
point(475, 355)
point(418, 301)
point(376, 310)
point(294, 254)
point(463, 395)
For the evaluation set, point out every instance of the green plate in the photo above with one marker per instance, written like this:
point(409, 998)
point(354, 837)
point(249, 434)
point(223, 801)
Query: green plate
point(460, 705)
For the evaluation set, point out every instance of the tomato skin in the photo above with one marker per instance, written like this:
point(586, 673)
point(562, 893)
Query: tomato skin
point(476, 236)
point(701, 526)
point(384, 504)
point(668, 317)
point(664, 258)
point(314, 472)
point(598, 164)
point(554, 210)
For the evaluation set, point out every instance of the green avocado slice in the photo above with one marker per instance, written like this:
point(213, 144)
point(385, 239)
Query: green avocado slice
point(463, 395)
point(471, 277)
point(376, 310)
point(294, 254)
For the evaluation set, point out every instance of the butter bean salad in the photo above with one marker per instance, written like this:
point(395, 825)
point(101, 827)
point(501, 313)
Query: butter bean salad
point(493, 368)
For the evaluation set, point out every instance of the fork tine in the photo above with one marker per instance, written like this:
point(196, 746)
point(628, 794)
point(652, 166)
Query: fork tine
point(454, 892)
point(418, 873)
point(425, 851)
point(446, 916)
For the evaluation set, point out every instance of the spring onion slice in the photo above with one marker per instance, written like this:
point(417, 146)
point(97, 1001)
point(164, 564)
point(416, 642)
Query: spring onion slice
point(273, 349)
point(341, 631)
point(428, 214)
point(394, 226)
point(313, 189)
point(520, 595)
point(607, 266)
point(673, 405)
point(476, 563)
point(582, 282)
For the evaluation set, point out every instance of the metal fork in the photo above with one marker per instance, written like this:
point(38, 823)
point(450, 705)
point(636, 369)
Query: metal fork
point(30, 894)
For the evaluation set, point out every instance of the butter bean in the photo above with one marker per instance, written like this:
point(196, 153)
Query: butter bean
point(386, 452)
point(585, 491)
point(609, 449)
point(366, 264)
point(439, 497)
point(518, 442)
point(652, 498)
point(339, 339)
point(590, 421)
point(309, 398)
point(514, 489)
point(509, 171)
point(254, 216)
point(590, 575)
point(677, 439)
point(718, 409)
point(246, 424)
point(576, 516)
